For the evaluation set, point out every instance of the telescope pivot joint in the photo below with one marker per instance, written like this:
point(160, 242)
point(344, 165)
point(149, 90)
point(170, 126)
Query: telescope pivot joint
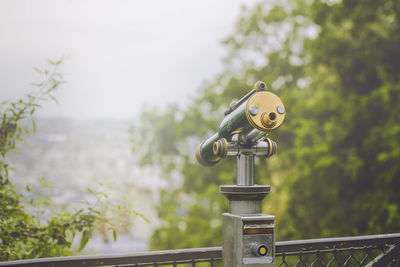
point(222, 148)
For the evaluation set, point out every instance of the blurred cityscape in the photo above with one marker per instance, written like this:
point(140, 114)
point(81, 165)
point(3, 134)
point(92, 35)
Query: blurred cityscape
point(74, 155)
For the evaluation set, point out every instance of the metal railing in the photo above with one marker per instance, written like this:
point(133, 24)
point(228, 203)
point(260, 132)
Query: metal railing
point(380, 250)
point(376, 250)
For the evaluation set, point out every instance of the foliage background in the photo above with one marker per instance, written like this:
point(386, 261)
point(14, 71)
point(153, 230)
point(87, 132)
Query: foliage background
point(335, 65)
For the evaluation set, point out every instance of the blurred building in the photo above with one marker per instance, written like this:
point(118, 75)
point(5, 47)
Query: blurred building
point(74, 155)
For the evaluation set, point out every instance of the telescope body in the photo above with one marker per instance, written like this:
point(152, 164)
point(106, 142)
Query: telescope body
point(249, 119)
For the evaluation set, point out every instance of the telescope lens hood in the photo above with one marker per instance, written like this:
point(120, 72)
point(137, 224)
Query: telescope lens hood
point(201, 159)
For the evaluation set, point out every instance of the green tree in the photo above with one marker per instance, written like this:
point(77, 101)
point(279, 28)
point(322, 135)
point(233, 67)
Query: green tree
point(23, 235)
point(353, 145)
point(335, 65)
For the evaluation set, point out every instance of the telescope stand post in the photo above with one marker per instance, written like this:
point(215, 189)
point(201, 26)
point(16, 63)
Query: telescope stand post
point(248, 237)
point(245, 169)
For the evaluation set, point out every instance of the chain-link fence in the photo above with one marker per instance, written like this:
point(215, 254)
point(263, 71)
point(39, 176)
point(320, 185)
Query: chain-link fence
point(377, 250)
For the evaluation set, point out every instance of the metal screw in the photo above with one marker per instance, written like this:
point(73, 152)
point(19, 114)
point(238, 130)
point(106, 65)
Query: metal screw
point(253, 110)
point(280, 109)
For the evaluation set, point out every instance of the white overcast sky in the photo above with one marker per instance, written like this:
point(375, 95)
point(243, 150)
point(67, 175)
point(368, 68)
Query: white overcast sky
point(122, 54)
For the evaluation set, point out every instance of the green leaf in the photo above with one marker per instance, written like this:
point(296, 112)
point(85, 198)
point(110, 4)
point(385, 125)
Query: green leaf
point(69, 235)
point(38, 70)
point(143, 217)
point(53, 98)
point(85, 239)
point(33, 125)
point(114, 234)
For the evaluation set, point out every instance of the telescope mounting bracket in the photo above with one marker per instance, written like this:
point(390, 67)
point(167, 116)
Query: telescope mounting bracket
point(245, 154)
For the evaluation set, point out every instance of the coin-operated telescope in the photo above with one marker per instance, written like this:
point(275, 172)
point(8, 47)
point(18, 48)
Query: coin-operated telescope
point(248, 237)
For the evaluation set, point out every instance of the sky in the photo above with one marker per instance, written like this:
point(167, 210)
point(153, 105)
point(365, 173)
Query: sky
point(121, 55)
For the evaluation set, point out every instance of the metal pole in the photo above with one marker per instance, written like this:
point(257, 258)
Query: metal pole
point(248, 238)
point(245, 169)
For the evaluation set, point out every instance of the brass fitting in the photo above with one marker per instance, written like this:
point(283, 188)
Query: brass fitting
point(260, 86)
point(268, 120)
point(273, 148)
point(270, 111)
point(220, 148)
